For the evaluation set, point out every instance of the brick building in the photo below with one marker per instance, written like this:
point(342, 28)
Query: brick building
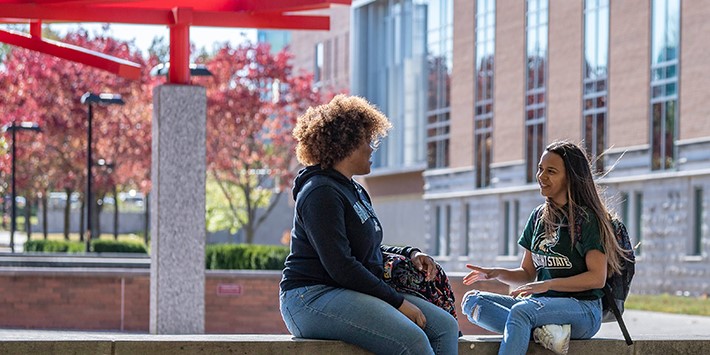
point(476, 89)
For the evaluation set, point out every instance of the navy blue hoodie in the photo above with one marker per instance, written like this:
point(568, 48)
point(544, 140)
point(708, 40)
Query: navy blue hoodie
point(336, 237)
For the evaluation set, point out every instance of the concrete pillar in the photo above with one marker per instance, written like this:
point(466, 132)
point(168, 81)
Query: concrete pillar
point(177, 216)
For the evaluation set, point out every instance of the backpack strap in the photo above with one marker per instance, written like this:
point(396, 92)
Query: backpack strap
point(617, 314)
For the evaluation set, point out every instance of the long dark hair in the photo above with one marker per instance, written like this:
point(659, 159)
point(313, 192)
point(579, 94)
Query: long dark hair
point(582, 191)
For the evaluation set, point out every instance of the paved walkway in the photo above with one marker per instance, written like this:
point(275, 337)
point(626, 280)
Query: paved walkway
point(641, 325)
point(661, 325)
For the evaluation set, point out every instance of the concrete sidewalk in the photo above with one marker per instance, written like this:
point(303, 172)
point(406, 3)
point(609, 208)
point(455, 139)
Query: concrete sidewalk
point(641, 324)
point(658, 325)
point(653, 333)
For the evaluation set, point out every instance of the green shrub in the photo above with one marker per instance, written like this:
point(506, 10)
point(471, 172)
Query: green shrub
point(54, 246)
point(245, 257)
point(114, 246)
point(100, 246)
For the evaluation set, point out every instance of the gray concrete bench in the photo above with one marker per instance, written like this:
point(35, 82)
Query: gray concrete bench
point(67, 342)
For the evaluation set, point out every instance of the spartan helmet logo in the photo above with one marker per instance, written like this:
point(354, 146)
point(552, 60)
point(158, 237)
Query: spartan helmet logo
point(545, 243)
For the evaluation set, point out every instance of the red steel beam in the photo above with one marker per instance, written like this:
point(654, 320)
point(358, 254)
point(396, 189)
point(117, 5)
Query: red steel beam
point(254, 6)
point(285, 5)
point(274, 21)
point(118, 66)
point(179, 15)
point(179, 72)
point(86, 14)
point(164, 17)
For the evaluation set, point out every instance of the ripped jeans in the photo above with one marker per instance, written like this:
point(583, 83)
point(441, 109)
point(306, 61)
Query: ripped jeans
point(516, 318)
point(326, 312)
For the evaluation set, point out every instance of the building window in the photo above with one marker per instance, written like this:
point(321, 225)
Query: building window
point(467, 229)
point(536, 29)
point(318, 69)
point(443, 224)
point(696, 245)
point(665, 39)
point(483, 112)
point(336, 58)
point(638, 215)
point(511, 232)
point(440, 44)
point(389, 41)
point(594, 91)
point(625, 208)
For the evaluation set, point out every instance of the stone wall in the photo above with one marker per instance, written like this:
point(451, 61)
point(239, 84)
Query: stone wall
point(236, 302)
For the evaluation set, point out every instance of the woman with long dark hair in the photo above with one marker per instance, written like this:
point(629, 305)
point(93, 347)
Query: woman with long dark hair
point(559, 284)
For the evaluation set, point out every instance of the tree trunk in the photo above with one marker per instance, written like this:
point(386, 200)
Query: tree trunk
point(45, 205)
point(115, 213)
point(97, 219)
point(81, 219)
point(28, 214)
point(4, 213)
point(146, 220)
point(67, 214)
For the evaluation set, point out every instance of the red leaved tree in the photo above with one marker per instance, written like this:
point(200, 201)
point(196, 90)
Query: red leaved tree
point(47, 90)
point(252, 104)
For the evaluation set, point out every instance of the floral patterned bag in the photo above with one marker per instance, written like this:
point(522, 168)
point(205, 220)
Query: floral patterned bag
point(401, 274)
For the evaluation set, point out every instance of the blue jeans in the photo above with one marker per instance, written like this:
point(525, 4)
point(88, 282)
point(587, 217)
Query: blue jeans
point(325, 312)
point(516, 318)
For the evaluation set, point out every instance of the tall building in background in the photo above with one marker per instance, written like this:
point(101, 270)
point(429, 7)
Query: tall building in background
point(276, 38)
point(476, 90)
point(326, 54)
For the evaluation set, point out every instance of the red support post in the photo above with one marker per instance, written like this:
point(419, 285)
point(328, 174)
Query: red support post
point(179, 72)
point(36, 29)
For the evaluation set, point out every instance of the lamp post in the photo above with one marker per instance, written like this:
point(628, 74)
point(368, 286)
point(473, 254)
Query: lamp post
point(162, 69)
point(88, 99)
point(13, 127)
point(108, 167)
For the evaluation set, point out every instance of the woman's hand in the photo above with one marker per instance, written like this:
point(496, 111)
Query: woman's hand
point(479, 273)
point(530, 288)
point(425, 264)
point(413, 313)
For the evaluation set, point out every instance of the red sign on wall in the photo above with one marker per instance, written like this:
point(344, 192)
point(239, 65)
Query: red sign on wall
point(229, 289)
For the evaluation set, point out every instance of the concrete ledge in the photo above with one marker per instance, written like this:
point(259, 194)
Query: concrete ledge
point(489, 345)
point(58, 342)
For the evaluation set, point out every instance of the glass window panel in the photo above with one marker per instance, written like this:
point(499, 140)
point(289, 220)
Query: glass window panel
point(590, 41)
point(673, 27)
point(638, 214)
point(696, 246)
point(657, 117)
point(601, 84)
point(589, 130)
point(671, 89)
point(603, 38)
point(658, 31)
point(600, 145)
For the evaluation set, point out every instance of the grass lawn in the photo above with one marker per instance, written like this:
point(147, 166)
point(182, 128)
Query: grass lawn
point(699, 306)
point(75, 236)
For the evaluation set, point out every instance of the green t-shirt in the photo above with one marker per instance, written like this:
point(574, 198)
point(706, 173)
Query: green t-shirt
point(553, 256)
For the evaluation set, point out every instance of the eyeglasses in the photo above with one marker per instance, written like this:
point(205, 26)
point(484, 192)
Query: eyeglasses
point(375, 143)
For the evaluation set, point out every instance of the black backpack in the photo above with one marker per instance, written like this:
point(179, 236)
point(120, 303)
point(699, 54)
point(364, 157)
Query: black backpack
point(617, 285)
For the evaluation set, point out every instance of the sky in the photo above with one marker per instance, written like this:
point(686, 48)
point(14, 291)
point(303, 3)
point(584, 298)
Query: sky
point(143, 34)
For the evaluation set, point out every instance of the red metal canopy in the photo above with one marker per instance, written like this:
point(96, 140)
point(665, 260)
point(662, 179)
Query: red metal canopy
point(179, 15)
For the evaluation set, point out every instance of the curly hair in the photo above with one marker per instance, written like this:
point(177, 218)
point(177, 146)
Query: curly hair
point(328, 133)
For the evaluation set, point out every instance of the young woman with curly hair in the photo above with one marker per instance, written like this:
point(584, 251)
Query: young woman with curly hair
point(558, 286)
point(332, 285)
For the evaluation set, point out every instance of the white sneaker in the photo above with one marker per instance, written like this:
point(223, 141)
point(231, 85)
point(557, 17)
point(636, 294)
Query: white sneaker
point(553, 337)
